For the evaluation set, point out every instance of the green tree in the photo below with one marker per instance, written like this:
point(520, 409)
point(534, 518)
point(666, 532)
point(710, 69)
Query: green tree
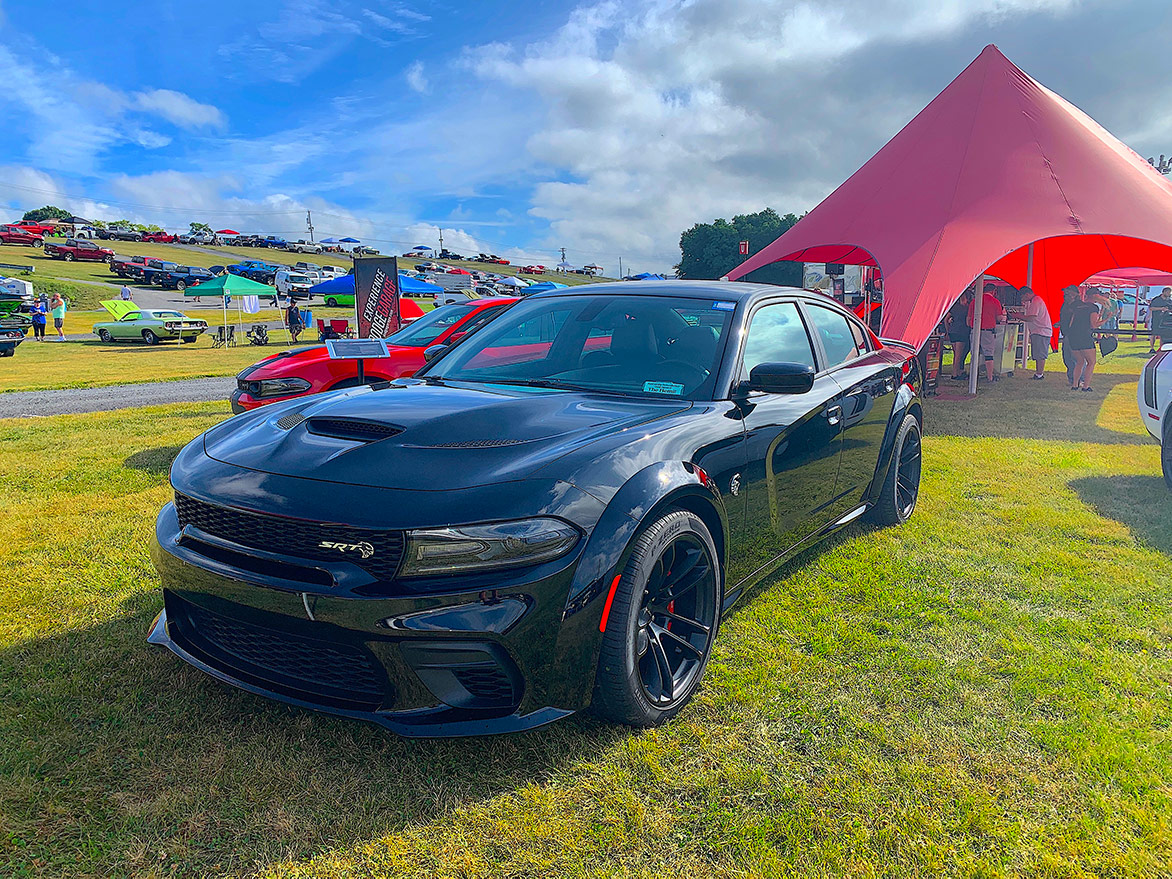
point(48, 212)
point(711, 250)
point(200, 227)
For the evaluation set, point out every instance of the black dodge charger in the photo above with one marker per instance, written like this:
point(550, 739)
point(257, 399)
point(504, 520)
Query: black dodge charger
point(553, 514)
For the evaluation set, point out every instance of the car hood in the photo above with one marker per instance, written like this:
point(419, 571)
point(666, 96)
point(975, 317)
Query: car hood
point(297, 361)
point(448, 436)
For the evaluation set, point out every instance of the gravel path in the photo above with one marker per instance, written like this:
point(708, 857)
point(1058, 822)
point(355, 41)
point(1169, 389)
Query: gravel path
point(30, 404)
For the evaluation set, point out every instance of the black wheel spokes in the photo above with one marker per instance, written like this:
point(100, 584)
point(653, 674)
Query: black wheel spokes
point(676, 621)
point(907, 476)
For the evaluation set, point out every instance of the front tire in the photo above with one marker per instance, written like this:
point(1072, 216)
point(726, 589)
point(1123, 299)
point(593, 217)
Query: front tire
point(149, 337)
point(105, 336)
point(901, 488)
point(180, 286)
point(332, 302)
point(661, 623)
point(68, 257)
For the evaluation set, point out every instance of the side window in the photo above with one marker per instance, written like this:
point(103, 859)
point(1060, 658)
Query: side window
point(777, 335)
point(835, 332)
point(861, 340)
point(480, 320)
point(134, 315)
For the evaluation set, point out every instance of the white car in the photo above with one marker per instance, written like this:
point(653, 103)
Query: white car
point(1155, 404)
point(303, 246)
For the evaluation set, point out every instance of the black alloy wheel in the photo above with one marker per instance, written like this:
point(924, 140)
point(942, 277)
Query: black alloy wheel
point(661, 623)
point(332, 302)
point(901, 488)
point(180, 286)
point(68, 256)
point(149, 337)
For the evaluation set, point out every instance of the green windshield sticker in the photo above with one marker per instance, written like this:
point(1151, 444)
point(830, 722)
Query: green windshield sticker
point(663, 388)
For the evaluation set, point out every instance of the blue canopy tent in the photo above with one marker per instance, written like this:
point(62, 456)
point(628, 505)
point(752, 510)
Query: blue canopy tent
point(344, 285)
point(349, 241)
point(329, 241)
point(647, 276)
point(545, 285)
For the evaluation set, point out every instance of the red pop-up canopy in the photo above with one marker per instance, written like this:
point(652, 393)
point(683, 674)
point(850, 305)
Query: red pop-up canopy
point(996, 168)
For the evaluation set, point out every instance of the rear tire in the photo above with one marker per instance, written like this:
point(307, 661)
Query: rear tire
point(661, 623)
point(68, 257)
point(105, 336)
point(180, 286)
point(901, 488)
point(149, 337)
point(332, 302)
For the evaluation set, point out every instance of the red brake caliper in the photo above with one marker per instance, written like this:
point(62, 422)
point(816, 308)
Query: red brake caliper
point(671, 608)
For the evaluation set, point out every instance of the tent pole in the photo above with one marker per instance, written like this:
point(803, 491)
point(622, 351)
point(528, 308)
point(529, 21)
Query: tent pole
point(1025, 342)
point(224, 300)
point(975, 341)
point(1135, 320)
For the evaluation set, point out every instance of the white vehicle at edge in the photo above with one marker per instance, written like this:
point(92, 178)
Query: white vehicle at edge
point(292, 283)
point(1155, 404)
point(303, 246)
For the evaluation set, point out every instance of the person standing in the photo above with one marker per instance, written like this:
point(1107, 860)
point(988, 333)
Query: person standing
point(1160, 318)
point(39, 317)
point(1081, 324)
point(958, 333)
point(294, 321)
point(125, 294)
point(1070, 298)
point(57, 309)
point(1039, 330)
point(992, 314)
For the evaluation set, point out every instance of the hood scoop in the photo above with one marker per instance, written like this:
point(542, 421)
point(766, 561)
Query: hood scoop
point(356, 429)
point(475, 444)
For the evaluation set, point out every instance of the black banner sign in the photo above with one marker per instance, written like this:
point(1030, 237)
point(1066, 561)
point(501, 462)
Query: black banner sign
point(376, 300)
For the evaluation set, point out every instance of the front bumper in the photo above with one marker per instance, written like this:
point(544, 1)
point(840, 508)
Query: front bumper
point(467, 661)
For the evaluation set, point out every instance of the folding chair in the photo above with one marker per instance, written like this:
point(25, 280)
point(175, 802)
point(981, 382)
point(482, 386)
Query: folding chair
point(230, 341)
point(340, 327)
point(323, 332)
point(218, 338)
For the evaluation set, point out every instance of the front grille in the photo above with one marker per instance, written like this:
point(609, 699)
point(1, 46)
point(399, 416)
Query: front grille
point(489, 685)
point(298, 666)
point(295, 537)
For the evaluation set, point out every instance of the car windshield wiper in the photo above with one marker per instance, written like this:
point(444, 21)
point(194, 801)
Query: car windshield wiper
point(553, 383)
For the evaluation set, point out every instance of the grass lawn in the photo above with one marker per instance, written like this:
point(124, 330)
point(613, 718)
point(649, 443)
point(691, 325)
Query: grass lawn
point(986, 691)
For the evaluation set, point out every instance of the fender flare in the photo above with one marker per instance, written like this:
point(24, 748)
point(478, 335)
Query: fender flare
point(640, 501)
point(907, 402)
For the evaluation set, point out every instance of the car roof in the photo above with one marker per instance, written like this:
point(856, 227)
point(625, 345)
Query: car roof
point(736, 291)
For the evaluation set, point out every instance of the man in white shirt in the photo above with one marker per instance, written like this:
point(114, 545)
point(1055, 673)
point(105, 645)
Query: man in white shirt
point(125, 294)
point(1040, 330)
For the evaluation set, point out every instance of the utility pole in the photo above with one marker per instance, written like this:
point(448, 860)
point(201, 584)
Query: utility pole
point(620, 267)
point(309, 225)
point(441, 237)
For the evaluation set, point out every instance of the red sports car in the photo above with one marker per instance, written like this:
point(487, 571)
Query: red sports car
point(301, 371)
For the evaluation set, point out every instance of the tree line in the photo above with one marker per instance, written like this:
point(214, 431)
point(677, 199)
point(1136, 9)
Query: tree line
point(709, 251)
point(52, 212)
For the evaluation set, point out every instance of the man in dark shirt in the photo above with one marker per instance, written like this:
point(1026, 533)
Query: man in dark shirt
point(1160, 314)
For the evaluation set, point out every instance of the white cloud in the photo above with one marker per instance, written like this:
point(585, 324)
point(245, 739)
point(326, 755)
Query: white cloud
point(416, 79)
point(656, 115)
point(179, 109)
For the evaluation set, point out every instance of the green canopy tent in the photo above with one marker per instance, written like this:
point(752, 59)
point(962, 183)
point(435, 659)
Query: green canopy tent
point(230, 285)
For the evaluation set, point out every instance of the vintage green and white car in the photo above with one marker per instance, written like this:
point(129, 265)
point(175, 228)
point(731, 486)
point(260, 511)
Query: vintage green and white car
point(150, 325)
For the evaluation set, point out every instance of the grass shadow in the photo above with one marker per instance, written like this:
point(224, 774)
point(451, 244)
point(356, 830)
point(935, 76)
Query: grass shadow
point(1142, 503)
point(222, 779)
point(157, 461)
point(1018, 408)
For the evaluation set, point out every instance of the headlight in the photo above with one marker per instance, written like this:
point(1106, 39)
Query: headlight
point(279, 387)
point(484, 547)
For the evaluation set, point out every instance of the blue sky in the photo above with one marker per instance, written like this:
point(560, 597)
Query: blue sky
point(605, 127)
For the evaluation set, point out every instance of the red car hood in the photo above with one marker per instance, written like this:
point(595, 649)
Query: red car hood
point(301, 361)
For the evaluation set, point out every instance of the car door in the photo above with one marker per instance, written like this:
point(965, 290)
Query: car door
point(868, 381)
point(127, 327)
point(792, 442)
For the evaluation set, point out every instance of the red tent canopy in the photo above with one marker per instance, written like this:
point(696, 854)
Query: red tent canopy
point(995, 163)
point(227, 232)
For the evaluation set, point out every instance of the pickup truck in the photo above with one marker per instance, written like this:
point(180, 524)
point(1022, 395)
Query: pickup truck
point(303, 246)
point(255, 270)
point(41, 229)
point(73, 249)
point(122, 265)
point(182, 277)
point(273, 242)
point(152, 270)
point(160, 237)
point(20, 235)
point(119, 233)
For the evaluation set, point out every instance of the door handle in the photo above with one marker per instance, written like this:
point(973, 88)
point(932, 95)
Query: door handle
point(834, 414)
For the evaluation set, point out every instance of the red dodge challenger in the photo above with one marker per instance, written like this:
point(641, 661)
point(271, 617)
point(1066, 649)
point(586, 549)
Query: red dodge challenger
point(301, 371)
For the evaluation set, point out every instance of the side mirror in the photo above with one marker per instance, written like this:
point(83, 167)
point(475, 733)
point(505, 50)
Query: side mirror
point(781, 378)
point(456, 337)
point(430, 354)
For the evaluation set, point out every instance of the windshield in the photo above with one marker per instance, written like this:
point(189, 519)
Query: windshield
point(623, 344)
point(431, 326)
point(298, 279)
